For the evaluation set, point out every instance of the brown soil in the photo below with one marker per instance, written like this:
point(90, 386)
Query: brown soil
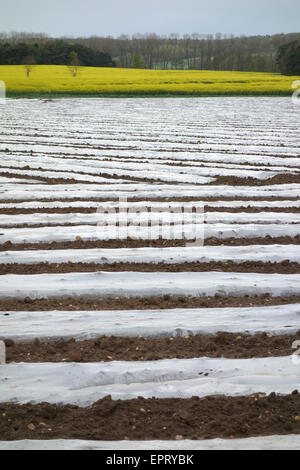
point(147, 419)
point(43, 170)
point(198, 199)
point(42, 179)
point(51, 180)
point(113, 243)
point(79, 224)
point(113, 348)
point(131, 243)
point(285, 267)
point(142, 303)
point(92, 210)
point(282, 178)
point(218, 164)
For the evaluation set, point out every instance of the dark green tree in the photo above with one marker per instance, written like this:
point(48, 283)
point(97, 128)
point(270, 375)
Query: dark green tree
point(288, 58)
point(53, 52)
point(137, 62)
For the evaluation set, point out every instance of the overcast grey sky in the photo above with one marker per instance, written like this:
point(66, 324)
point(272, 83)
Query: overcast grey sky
point(114, 17)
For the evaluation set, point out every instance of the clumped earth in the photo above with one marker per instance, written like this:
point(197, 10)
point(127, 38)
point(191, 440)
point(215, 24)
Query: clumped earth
point(141, 303)
point(178, 198)
point(79, 243)
point(215, 416)
point(92, 210)
point(284, 267)
point(114, 348)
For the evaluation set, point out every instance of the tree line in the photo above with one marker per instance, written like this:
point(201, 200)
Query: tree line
point(151, 51)
point(52, 52)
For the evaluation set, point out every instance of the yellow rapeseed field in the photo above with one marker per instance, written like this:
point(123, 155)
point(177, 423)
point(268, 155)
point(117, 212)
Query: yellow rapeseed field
point(57, 79)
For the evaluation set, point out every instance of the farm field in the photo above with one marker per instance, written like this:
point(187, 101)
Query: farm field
point(56, 80)
point(124, 327)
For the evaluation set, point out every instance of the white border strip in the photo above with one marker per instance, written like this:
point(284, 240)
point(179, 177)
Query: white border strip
point(275, 442)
